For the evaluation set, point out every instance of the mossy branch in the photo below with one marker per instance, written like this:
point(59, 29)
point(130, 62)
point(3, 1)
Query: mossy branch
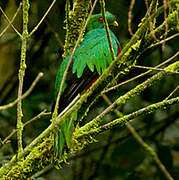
point(26, 6)
point(128, 56)
point(102, 2)
point(39, 153)
point(139, 139)
point(76, 18)
point(122, 100)
point(123, 120)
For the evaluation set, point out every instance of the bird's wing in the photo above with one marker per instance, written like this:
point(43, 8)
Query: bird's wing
point(94, 52)
point(90, 60)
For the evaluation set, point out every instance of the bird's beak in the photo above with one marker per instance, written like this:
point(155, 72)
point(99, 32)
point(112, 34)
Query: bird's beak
point(114, 23)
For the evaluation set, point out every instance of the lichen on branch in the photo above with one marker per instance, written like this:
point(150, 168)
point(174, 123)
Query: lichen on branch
point(34, 162)
point(75, 19)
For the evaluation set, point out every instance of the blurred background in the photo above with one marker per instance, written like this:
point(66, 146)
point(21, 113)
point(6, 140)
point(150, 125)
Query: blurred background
point(116, 155)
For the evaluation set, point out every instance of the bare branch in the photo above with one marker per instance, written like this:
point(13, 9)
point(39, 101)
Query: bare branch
point(164, 40)
point(24, 95)
point(10, 23)
point(155, 69)
point(172, 93)
point(40, 22)
point(130, 17)
point(43, 113)
point(141, 142)
point(141, 75)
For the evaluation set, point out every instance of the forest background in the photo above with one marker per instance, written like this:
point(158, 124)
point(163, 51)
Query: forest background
point(116, 153)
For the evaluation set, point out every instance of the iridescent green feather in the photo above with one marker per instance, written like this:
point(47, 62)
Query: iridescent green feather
point(93, 52)
point(59, 77)
point(98, 48)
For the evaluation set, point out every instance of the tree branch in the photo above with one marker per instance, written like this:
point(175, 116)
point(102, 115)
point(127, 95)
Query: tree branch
point(139, 139)
point(27, 93)
point(122, 100)
point(10, 22)
point(40, 151)
point(44, 16)
point(43, 113)
point(26, 6)
point(123, 120)
point(76, 18)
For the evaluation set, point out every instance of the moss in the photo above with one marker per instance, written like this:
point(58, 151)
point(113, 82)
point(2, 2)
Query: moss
point(38, 159)
point(26, 7)
point(75, 22)
point(41, 155)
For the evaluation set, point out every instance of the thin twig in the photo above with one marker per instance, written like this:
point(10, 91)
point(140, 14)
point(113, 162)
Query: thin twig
point(43, 113)
point(172, 93)
point(5, 29)
point(46, 13)
point(69, 106)
point(123, 120)
point(155, 69)
point(141, 75)
point(130, 17)
point(107, 29)
point(24, 95)
point(150, 151)
point(152, 24)
point(164, 40)
point(166, 24)
point(11, 23)
point(146, 4)
point(21, 74)
point(122, 99)
point(6, 140)
point(70, 61)
point(141, 142)
point(42, 137)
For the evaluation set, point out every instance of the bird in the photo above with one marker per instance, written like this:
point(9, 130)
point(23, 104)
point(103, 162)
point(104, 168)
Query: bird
point(90, 60)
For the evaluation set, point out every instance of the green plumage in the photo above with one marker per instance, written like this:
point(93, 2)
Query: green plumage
point(93, 52)
point(89, 61)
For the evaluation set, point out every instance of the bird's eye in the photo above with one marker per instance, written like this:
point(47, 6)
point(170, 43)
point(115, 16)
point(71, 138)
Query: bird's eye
point(100, 20)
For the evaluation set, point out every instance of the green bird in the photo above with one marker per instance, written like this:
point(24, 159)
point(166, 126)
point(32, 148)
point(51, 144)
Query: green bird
point(90, 60)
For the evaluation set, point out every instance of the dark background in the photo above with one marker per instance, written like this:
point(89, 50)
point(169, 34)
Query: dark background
point(113, 156)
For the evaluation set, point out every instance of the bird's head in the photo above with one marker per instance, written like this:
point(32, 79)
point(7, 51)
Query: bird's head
point(96, 21)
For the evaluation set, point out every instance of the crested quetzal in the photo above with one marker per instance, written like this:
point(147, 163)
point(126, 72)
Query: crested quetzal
point(91, 58)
